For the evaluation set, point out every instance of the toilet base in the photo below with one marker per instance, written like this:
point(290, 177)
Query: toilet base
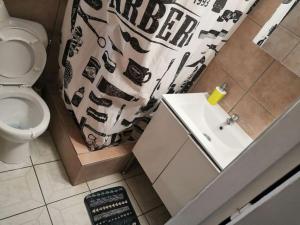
point(13, 153)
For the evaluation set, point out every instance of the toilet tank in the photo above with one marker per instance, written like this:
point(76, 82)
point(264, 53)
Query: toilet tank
point(33, 27)
point(3, 11)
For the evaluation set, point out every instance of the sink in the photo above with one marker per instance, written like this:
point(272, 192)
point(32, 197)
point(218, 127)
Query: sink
point(203, 121)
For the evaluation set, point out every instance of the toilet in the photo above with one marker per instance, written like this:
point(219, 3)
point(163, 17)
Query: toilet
point(23, 113)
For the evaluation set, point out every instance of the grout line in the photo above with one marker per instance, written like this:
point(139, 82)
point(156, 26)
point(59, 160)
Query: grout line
point(15, 169)
point(41, 190)
point(68, 197)
point(56, 160)
point(251, 86)
point(254, 21)
point(290, 52)
point(22, 212)
point(92, 189)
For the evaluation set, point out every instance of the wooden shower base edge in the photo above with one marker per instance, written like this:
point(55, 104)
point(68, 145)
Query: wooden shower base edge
point(80, 163)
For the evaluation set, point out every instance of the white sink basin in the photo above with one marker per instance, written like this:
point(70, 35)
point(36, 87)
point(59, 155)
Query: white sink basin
point(203, 121)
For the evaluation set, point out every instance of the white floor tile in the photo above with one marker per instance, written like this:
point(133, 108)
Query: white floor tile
point(43, 149)
point(143, 192)
point(105, 180)
point(158, 216)
point(143, 220)
point(55, 183)
point(132, 200)
point(19, 191)
point(7, 167)
point(70, 211)
point(34, 217)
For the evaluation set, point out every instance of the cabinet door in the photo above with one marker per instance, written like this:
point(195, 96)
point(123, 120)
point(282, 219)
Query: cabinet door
point(187, 174)
point(161, 140)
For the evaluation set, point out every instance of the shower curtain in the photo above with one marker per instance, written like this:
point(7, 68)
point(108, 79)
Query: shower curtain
point(119, 57)
point(282, 10)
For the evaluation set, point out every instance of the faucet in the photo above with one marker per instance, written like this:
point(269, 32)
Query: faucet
point(231, 120)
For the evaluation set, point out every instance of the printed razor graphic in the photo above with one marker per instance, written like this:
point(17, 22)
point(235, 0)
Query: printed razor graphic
point(108, 63)
point(180, 67)
point(153, 101)
point(100, 101)
point(135, 44)
point(200, 61)
point(100, 117)
point(105, 87)
point(114, 47)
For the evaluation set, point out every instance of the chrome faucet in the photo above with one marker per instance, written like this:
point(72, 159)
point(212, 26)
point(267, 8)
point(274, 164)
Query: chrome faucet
point(232, 119)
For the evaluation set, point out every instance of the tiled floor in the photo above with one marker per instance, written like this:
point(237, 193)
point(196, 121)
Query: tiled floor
point(37, 192)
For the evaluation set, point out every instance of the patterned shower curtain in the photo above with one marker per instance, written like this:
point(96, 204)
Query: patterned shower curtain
point(119, 57)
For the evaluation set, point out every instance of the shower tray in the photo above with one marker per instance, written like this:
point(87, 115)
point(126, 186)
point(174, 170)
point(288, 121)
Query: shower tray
point(80, 163)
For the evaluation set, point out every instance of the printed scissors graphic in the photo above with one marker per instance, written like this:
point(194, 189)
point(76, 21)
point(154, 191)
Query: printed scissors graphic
point(101, 40)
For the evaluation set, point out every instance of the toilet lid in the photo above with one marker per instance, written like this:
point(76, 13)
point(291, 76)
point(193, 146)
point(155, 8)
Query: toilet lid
point(22, 57)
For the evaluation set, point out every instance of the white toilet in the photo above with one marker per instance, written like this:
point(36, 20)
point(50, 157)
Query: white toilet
point(23, 113)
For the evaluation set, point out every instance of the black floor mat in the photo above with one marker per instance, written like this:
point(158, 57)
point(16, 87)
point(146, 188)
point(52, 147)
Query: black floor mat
point(110, 207)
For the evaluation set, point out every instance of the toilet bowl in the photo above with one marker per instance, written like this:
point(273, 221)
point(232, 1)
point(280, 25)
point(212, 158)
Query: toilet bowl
point(23, 113)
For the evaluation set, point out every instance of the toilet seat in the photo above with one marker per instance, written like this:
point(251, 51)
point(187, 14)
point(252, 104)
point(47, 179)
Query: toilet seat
point(39, 126)
point(30, 55)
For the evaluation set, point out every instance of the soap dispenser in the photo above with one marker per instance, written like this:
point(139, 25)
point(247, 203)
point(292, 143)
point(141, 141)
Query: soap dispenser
point(218, 94)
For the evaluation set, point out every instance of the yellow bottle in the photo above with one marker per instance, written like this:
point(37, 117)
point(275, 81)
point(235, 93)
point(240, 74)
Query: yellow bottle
point(218, 94)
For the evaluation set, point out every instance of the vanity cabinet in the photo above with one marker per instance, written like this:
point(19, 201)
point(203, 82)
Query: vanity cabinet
point(160, 142)
point(176, 164)
point(186, 175)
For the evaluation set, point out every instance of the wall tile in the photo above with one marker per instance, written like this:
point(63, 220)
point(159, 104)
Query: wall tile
point(292, 61)
point(41, 11)
point(264, 10)
point(281, 43)
point(241, 58)
point(215, 76)
point(253, 117)
point(292, 21)
point(277, 89)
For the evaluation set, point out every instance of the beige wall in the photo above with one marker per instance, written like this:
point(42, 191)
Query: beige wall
point(261, 88)
point(50, 14)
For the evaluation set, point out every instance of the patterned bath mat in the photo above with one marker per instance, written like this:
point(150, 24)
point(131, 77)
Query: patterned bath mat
point(110, 207)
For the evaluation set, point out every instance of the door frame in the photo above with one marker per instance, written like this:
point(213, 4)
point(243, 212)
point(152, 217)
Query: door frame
point(281, 137)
